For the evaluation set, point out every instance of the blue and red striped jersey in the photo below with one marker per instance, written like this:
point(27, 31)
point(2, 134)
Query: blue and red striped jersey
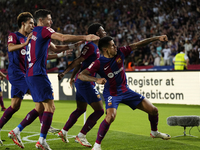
point(90, 52)
point(37, 50)
point(112, 69)
point(17, 58)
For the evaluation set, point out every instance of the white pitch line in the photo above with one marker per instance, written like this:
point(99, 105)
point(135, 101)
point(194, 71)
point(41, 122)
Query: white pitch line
point(26, 138)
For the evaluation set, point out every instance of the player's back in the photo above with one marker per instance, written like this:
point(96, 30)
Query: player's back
point(16, 58)
point(37, 50)
point(90, 52)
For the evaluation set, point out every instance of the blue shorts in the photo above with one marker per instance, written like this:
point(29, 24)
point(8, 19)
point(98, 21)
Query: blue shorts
point(19, 86)
point(0, 88)
point(130, 98)
point(86, 92)
point(40, 88)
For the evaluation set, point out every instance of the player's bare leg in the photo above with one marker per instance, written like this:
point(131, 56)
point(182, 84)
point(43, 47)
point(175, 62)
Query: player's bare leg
point(152, 111)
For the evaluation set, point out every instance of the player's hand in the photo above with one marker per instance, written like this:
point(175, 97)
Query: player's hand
point(92, 37)
point(60, 76)
point(68, 52)
point(163, 38)
point(78, 44)
point(71, 82)
point(28, 38)
point(101, 81)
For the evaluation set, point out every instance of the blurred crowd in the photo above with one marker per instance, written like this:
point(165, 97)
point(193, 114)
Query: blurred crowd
point(127, 21)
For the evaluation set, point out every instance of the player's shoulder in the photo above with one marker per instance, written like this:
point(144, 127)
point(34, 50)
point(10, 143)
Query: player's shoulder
point(90, 45)
point(13, 34)
point(49, 29)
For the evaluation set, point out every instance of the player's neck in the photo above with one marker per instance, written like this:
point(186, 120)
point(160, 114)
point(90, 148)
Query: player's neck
point(96, 42)
point(107, 55)
point(22, 32)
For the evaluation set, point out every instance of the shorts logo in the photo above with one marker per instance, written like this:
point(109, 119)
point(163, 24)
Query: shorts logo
point(98, 96)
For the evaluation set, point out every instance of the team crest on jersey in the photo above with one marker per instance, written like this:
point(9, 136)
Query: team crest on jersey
point(23, 52)
point(10, 38)
point(50, 29)
point(119, 60)
point(91, 65)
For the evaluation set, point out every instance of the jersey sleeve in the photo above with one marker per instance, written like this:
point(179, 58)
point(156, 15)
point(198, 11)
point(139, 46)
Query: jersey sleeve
point(126, 50)
point(12, 38)
point(87, 50)
point(94, 67)
point(47, 32)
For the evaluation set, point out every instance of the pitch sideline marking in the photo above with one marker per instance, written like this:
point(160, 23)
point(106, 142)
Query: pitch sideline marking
point(26, 138)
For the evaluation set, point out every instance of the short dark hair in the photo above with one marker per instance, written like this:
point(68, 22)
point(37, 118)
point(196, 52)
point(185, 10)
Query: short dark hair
point(93, 28)
point(23, 17)
point(181, 49)
point(41, 13)
point(104, 42)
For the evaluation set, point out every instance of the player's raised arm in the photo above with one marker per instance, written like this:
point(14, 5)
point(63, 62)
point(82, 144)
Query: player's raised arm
point(85, 76)
point(147, 41)
point(73, 38)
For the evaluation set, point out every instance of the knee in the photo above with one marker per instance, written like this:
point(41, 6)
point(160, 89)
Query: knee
point(110, 118)
point(154, 111)
point(15, 104)
point(54, 108)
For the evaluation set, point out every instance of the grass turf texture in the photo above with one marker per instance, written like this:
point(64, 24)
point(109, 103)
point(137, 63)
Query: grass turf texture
point(130, 130)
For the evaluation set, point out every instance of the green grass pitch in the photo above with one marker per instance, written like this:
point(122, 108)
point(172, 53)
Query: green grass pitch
point(130, 130)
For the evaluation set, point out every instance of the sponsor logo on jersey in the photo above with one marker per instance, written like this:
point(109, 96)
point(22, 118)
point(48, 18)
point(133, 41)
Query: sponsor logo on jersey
point(111, 75)
point(30, 65)
point(23, 52)
point(10, 38)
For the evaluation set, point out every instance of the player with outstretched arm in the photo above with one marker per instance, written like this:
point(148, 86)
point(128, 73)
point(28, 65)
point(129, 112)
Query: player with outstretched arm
point(111, 69)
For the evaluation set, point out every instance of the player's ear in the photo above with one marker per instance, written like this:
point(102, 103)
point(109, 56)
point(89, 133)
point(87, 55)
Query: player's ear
point(104, 49)
point(97, 33)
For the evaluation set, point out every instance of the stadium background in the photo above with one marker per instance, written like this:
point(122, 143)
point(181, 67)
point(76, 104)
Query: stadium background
point(126, 21)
